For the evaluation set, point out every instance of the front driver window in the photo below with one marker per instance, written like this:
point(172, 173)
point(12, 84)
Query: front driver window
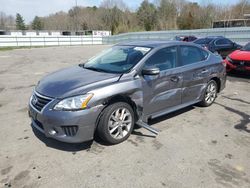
point(163, 59)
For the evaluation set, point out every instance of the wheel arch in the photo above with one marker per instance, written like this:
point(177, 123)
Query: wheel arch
point(218, 82)
point(120, 98)
point(123, 98)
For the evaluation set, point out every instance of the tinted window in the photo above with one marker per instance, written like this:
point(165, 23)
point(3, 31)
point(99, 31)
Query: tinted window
point(192, 38)
point(203, 41)
point(190, 54)
point(223, 42)
point(163, 59)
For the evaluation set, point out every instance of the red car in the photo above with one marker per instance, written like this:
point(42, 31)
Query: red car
point(239, 60)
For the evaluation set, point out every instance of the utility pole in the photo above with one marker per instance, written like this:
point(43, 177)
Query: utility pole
point(76, 16)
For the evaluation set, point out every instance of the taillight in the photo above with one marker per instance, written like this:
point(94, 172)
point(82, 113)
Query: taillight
point(205, 46)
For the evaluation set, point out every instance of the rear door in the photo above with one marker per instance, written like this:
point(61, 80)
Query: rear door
point(163, 91)
point(195, 72)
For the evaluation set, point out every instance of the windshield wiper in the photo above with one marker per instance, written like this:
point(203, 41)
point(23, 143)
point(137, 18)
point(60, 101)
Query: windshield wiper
point(98, 69)
point(94, 69)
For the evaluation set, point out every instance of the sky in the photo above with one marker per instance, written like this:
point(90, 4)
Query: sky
point(30, 8)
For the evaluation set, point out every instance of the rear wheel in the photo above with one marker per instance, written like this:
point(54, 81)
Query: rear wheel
point(116, 123)
point(210, 94)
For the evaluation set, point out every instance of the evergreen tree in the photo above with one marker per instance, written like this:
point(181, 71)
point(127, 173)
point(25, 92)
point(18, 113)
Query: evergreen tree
point(37, 24)
point(20, 25)
point(147, 15)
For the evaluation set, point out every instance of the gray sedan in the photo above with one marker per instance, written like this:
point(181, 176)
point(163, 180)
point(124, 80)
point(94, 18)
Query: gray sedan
point(125, 85)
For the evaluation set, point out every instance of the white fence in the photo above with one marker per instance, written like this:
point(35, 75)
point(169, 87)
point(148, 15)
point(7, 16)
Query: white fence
point(237, 34)
point(48, 40)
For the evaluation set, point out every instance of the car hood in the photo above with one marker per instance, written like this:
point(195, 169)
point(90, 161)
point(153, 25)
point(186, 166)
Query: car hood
point(73, 81)
point(240, 55)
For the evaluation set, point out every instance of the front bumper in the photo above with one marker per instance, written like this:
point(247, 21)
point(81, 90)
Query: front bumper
point(65, 126)
point(231, 67)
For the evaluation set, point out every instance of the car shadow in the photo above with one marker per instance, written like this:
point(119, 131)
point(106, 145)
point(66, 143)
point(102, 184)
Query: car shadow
point(236, 99)
point(245, 118)
point(238, 74)
point(170, 115)
point(151, 122)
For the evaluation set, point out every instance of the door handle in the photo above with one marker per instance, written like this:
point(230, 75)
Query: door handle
point(204, 71)
point(175, 79)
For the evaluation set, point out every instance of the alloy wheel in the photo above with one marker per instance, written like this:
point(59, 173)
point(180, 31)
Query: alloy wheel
point(120, 122)
point(211, 93)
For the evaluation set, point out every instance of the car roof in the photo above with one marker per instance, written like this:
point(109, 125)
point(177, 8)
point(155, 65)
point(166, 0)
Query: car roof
point(185, 36)
point(211, 37)
point(152, 44)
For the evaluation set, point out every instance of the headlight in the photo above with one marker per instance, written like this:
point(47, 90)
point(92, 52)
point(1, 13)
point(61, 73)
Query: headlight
point(229, 59)
point(74, 103)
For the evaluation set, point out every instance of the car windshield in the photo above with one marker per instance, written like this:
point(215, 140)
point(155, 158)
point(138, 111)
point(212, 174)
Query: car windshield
point(203, 41)
point(246, 47)
point(118, 59)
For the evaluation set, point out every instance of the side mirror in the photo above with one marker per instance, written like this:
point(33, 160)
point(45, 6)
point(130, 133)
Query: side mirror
point(151, 71)
point(239, 46)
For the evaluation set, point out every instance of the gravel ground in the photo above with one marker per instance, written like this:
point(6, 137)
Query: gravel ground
point(197, 147)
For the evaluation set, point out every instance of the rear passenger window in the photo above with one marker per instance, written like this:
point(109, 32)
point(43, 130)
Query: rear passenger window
point(190, 55)
point(163, 59)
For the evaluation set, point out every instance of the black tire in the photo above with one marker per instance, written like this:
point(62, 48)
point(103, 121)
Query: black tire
point(204, 102)
point(103, 129)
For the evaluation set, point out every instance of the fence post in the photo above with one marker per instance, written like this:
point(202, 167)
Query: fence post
point(16, 42)
point(30, 42)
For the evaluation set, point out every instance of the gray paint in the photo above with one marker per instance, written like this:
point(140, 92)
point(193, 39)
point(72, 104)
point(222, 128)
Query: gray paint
point(152, 95)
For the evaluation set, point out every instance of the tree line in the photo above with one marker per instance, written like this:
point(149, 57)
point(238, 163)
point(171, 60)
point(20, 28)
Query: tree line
point(116, 16)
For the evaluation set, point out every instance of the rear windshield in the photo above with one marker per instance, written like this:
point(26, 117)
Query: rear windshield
point(179, 38)
point(246, 47)
point(203, 41)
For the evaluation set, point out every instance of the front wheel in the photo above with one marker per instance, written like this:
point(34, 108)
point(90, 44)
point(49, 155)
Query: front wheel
point(210, 94)
point(116, 123)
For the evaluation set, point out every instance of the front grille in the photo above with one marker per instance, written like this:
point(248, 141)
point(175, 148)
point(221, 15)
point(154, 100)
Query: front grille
point(70, 130)
point(39, 101)
point(241, 63)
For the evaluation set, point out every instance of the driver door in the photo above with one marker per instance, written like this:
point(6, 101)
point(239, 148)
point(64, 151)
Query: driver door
point(163, 91)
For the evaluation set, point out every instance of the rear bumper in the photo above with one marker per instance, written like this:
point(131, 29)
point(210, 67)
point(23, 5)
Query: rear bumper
point(223, 82)
point(65, 126)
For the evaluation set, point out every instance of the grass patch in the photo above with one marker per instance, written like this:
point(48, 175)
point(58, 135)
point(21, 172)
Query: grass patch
point(20, 47)
point(7, 48)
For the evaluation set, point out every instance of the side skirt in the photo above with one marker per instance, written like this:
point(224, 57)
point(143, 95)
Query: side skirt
point(167, 111)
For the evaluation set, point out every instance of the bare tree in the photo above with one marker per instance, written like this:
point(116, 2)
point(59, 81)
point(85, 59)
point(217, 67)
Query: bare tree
point(115, 15)
point(109, 4)
point(7, 22)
